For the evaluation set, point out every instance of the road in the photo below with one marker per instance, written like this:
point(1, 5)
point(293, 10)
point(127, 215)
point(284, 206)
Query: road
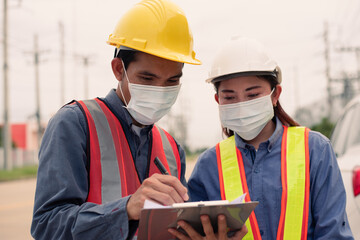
point(16, 206)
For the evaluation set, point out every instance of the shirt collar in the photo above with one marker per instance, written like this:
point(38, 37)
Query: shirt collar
point(270, 142)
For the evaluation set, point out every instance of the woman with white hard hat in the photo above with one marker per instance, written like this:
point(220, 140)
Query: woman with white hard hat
point(290, 170)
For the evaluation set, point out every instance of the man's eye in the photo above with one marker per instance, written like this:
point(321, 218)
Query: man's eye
point(174, 80)
point(146, 78)
point(228, 97)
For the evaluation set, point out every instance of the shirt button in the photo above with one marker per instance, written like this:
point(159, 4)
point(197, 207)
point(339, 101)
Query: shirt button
point(261, 232)
point(256, 170)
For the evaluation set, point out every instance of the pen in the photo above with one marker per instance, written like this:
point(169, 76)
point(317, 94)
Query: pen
point(160, 166)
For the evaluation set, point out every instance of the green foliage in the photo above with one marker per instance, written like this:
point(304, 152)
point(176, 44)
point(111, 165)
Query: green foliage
point(325, 127)
point(18, 173)
point(193, 155)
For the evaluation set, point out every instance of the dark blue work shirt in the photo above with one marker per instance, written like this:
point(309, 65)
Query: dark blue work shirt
point(60, 209)
point(327, 215)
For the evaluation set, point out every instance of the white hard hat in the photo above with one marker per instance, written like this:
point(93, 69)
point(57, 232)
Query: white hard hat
point(243, 57)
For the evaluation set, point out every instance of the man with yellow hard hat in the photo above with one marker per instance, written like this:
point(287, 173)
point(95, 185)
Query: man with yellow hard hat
point(97, 157)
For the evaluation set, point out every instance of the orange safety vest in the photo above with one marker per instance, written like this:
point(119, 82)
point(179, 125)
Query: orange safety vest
point(112, 170)
point(293, 222)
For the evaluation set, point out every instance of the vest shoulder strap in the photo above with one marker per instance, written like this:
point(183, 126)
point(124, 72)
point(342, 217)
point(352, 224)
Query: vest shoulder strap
point(229, 174)
point(164, 147)
point(295, 184)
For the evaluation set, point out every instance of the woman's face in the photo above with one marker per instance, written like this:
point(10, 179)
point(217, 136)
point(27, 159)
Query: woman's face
point(241, 89)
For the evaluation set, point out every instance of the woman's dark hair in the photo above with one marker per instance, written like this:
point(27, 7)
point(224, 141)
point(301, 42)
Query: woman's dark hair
point(127, 56)
point(278, 110)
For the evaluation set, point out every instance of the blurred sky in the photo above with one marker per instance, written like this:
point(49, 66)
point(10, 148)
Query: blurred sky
point(291, 30)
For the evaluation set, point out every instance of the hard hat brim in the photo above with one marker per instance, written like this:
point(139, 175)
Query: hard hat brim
point(172, 57)
point(240, 74)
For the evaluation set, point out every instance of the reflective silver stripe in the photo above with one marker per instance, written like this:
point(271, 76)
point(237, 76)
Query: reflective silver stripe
point(170, 157)
point(111, 183)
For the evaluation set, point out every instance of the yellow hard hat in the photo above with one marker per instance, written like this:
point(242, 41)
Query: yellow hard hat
point(157, 27)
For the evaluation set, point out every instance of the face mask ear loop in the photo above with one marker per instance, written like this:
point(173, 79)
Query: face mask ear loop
point(122, 94)
point(272, 91)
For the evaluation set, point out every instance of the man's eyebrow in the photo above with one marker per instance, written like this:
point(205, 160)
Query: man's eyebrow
point(149, 74)
point(178, 75)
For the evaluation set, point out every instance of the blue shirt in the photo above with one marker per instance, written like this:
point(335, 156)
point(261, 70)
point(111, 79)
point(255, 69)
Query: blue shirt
point(60, 209)
point(327, 216)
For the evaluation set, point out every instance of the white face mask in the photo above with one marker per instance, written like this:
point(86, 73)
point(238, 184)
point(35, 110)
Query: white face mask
point(148, 104)
point(248, 118)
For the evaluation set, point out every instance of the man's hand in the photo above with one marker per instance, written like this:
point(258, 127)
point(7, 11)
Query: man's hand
point(164, 189)
point(209, 233)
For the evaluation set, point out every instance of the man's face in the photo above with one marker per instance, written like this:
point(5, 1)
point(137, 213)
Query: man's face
point(148, 70)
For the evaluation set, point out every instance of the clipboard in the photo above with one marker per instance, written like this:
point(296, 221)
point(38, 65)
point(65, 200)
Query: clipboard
point(155, 219)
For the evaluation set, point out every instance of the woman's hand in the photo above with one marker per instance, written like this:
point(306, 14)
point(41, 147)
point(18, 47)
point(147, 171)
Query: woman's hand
point(209, 232)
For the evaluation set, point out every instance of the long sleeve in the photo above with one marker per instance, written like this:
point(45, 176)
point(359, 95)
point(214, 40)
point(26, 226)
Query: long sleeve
point(61, 210)
point(327, 196)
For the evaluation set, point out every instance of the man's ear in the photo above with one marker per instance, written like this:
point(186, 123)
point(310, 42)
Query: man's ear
point(117, 67)
point(216, 98)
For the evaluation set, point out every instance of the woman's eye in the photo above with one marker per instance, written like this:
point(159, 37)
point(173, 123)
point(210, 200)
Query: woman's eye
point(253, 95)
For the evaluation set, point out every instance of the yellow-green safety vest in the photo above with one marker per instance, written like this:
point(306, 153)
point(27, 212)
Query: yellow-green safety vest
point(293, 222)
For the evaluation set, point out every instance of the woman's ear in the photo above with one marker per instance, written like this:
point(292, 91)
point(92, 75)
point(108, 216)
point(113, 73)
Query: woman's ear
point(276, 94)
point(117, 67)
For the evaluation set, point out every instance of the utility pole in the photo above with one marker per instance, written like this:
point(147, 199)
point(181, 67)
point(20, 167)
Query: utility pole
point(85, 59)
point(86, 76)
point(36, 55)
point(296, 87)
point(358, 65)
point(355, 50)
point(6, 129)
point(62, 64)
point(37, 87)
point(327, 70)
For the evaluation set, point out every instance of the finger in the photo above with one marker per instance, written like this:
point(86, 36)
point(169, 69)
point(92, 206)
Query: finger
point(178, 234)
point(241, 233)
point(161, 192)
point(222, 227)
point(160, 197)
point(189, 230)
point(208, 229)
point(169, 190)
point(174, 183)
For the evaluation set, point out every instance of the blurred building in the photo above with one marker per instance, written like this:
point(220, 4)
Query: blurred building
point(25, 145)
